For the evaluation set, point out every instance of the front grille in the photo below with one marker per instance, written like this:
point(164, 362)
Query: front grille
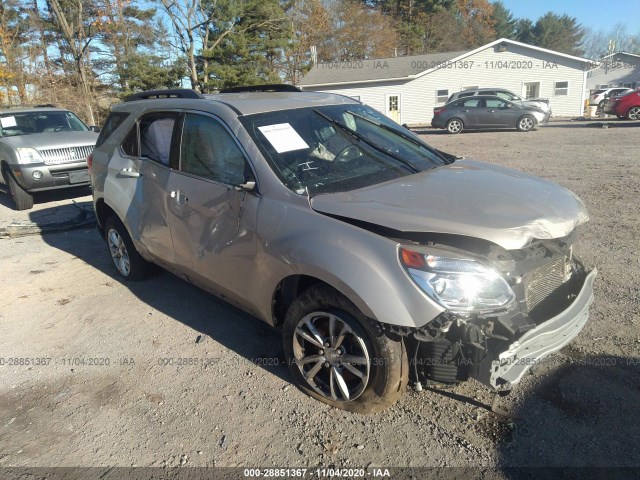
point(54, 156)
point(544, 281)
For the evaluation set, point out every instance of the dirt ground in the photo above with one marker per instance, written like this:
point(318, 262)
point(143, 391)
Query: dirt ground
point(162, 374)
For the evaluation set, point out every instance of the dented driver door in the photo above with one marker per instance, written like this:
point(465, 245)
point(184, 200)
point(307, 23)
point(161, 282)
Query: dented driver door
point(212, 220)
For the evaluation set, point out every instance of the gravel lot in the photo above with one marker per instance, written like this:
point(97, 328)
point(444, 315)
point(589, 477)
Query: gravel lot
point(105, 395)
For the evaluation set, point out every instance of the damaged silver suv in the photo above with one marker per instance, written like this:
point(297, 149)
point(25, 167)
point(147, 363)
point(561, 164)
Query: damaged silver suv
point(382, 260)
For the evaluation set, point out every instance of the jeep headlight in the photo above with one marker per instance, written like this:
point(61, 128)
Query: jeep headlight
point(458, 284)
point(29, 155)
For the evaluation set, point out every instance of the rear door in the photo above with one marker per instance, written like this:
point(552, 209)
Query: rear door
point(468, 110)
point(212, 219)
point(140, 176)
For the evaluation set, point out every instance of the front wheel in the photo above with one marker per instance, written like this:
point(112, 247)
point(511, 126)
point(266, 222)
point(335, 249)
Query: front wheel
point(336, 355)
point(526, 123)
point(22, 199)
point(634, 113)
point(454, 125)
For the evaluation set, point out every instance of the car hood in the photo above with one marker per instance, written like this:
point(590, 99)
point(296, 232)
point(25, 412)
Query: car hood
point(469, 198)
point(44, 141)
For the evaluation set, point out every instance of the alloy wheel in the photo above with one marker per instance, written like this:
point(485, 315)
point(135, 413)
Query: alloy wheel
point(526, 124)
point(119, 252)
point(332, 358)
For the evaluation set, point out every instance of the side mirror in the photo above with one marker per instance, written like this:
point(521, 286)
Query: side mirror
point(94, 128)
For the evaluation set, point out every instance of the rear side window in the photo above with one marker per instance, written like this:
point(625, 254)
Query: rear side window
point(114, 120)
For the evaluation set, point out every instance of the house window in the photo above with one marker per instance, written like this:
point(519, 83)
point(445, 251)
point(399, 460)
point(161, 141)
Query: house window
point(561, 88)
point(442, 95)
point(532, 90)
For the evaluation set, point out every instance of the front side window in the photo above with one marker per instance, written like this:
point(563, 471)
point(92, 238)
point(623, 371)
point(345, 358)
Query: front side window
point(337, 147)
point(209, 151)
point(495, 103)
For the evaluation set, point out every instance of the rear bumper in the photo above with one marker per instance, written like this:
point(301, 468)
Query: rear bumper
point(549, 337)
point(74, 174)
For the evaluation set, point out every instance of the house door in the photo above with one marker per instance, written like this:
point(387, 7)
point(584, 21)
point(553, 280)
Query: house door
point(531, 90)
point(393, 107)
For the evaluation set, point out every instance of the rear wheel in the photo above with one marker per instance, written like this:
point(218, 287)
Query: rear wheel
point(526, 123)
point(336, 355)
point(634, 113)
point(22, 199)
point(127, 260)
point(455, 125)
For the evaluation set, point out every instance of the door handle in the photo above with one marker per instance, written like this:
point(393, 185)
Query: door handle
point(130, 172)
point(179, 197)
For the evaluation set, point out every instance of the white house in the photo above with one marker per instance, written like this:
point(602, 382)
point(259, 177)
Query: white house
point(408, 88)
point(616, 70)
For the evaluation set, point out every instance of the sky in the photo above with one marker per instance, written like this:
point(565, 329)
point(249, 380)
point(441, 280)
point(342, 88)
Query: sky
point(595, 14)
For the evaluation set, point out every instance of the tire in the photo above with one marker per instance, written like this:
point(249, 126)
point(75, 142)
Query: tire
point(364, 372)
point(526, 123)
point(22, 199)
point(455, 125)
point(633, 113)
point(128, 262)
point(600, 108)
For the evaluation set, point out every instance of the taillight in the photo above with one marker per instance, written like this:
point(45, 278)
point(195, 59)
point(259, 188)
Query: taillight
point(90, 161)
point(438, 110)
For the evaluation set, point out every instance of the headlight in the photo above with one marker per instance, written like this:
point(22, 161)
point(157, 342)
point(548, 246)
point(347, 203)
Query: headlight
point(458, 284)
point(29, 155)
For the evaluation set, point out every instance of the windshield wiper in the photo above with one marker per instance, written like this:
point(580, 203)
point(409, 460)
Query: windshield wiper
point(364, 139)
point(409, 138)
point(388, 128)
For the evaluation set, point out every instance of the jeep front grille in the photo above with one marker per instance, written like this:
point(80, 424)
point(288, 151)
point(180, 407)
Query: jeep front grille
point(545, 280)
point(54, 156)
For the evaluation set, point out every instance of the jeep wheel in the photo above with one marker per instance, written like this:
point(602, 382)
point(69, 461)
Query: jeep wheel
point(454, 125)
point(127, 260)
point(22, 199)
point(336, 355)
point(526, 123)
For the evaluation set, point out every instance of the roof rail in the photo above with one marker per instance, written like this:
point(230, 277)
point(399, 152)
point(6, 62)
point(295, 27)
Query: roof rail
point(45, 105)
point(168, 93)
point(274, 87)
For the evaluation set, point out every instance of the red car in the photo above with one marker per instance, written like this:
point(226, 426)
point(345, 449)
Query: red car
point(627, 105)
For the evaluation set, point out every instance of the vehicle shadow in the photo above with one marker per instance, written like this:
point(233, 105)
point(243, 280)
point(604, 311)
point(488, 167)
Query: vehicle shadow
point(46, 196)
point(186, 303)
point(582, 414)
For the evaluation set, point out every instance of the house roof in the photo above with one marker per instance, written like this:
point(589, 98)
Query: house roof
point(400, 68)
point(362, 71)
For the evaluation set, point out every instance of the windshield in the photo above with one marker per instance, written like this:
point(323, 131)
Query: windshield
point(337, 148)
point(26, 123)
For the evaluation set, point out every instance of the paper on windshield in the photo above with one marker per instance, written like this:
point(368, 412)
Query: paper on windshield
point(283, 137)
point(8, 122)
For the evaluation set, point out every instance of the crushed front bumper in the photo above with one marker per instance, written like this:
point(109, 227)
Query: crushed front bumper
point(548, 337)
